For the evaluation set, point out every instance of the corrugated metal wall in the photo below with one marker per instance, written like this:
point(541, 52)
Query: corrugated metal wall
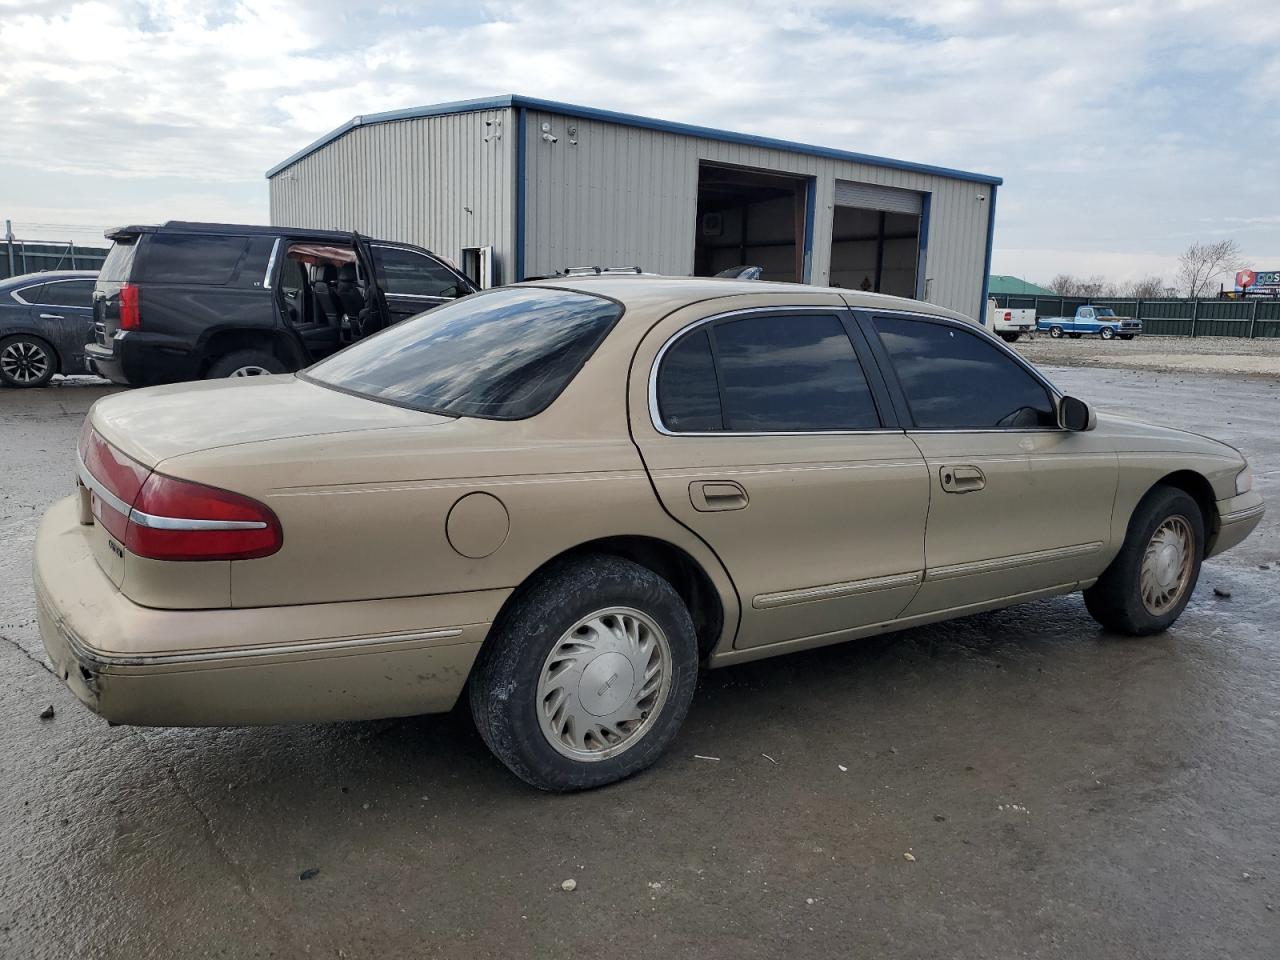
point(626, 196)
point(431, 181)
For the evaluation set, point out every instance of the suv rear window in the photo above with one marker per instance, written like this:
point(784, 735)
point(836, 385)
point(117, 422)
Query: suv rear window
point(184, 258)
point(503, 355)
point(119, 262)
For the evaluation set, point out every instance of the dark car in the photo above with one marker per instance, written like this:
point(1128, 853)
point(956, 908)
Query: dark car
point(185, 301)
point(45, 319)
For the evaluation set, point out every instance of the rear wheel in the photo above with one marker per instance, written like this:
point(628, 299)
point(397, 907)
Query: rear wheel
point(1148, 584)
point(245, 363)
point(1106, 333)
point(588, 676)
point(26, 361)
point(1010, 337)
point(1055, 332)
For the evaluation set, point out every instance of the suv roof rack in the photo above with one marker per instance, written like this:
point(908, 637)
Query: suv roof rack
point(596, 271)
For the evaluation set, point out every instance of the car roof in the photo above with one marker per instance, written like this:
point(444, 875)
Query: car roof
point(44, 276)
point(229, 230)
point(651, 289)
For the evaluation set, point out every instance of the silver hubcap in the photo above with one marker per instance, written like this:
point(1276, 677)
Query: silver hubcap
point(24, 361)
point(252, 370)
point(1107, 333)
point(1166, 565)
point(604, 684)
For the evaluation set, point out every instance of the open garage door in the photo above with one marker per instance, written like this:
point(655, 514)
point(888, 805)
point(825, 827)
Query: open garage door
point(875, 238)
point(749, 217)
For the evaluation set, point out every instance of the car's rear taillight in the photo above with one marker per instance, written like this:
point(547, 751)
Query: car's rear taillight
point(1008, 316)
point(179, 520)
point(164, 518)
point(130, 307)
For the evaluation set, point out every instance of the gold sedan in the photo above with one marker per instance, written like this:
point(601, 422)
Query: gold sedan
point(564, 498)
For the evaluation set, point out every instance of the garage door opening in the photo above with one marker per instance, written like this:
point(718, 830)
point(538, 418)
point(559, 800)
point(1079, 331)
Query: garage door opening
point(750, 218)
point(875, 239)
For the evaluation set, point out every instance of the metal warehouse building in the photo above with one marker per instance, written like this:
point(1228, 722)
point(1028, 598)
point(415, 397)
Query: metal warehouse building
point(527, 187)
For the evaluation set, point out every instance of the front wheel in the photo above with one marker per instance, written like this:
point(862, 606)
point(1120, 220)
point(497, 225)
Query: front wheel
point(586, 679)
point(1106, 333)
point(1148, 584)
point(1055, 332)
point(26, 361)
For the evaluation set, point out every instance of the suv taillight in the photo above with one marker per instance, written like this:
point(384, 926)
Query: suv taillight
point(130, 307)
point(164, 518)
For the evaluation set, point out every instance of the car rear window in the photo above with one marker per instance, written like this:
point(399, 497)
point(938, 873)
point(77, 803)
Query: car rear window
point(119, 262)
point(187, 258)
point(503, 355)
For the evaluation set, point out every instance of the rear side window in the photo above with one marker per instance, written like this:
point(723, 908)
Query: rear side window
point(503, 355)
point(955, 379)
point(771, 374)
point(67, 293)
point(187, 258)
point(119, 262)
point(405, 273)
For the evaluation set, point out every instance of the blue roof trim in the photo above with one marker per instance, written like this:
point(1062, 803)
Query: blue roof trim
point(629, 120)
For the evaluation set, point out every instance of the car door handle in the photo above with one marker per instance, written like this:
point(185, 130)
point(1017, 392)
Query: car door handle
point(961, 478)
point(52, 316)
point(708, 495)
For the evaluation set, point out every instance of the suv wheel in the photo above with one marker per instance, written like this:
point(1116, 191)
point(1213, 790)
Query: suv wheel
point(245, 363)
point(587, 677)
point(1148, 584)
point(26, 361)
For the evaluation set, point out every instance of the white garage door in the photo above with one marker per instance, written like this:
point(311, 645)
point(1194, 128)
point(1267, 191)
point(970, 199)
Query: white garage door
point(870, 196)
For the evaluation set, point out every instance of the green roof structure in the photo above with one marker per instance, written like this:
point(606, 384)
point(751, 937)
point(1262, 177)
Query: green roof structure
point(1002, 284)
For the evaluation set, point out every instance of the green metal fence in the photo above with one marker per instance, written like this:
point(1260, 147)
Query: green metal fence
point(25, 256)
point(1170, 318)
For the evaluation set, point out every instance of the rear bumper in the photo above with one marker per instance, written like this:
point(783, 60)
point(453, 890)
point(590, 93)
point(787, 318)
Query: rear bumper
point(138, 359)
point(311, 663)
point(1237, 518)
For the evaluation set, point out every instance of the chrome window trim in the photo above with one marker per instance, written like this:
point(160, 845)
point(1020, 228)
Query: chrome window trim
point(133, 515)
point(426, 256)
point(271, 264)
point(655, 417)
point(45, 283)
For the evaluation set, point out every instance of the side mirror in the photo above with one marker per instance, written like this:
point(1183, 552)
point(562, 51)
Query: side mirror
point(1076, 415)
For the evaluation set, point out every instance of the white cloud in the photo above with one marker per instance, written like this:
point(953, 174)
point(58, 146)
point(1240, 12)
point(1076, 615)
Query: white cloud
point(1112, 122)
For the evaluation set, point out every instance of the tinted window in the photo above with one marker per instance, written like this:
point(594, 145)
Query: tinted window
point(954, 379)
point(119, 262)
point(181, 258)
point(505, 354)
point(792, 373)
point(30, 294)
point(67, 293)
point(407, 273)
point(688, 397)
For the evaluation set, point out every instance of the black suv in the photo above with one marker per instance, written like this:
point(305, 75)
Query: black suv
point(185, 301)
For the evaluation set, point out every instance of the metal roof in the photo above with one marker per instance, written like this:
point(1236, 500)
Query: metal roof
point(1004, 284)
point(624, 119)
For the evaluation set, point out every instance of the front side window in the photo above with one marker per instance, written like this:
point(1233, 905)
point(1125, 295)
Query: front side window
point(955, 379)
point(406, 273)
point(770, 374)
point(503, 355)
point(67, 293)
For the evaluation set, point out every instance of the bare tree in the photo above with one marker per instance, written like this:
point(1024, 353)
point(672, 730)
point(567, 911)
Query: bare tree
point(1065, 285)
point(1148, 288)
point(1202, 263)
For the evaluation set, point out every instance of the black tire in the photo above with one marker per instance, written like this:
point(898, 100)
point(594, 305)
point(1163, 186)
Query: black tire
point(1009, 337)
point(1126, 336)
point(1074, 336)
point(1055, 332)
point(1107, 333)
point(504, 684)
point(26, 361)
point(1116, 601)
point(241, 360)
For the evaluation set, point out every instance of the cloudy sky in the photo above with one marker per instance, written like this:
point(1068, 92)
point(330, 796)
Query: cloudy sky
point(1124, 130)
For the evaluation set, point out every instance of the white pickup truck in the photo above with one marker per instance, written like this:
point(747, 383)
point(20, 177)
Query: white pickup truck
point(1009, 324)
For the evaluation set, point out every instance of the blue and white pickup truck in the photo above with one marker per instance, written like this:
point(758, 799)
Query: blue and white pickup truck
point(1100, 320)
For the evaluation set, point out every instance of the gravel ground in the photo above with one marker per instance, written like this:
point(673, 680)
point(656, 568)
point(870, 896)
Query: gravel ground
point(1063, 793)
point(1222, 355)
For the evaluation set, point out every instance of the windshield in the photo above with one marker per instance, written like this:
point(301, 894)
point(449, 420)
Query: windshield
point(503, 355)
point(119, 262)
